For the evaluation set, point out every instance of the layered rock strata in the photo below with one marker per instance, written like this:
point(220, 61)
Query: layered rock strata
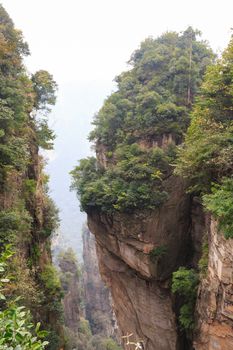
point(140, 285)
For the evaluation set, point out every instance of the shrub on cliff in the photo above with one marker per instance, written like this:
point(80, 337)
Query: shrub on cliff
point(184, 283)
point(134, 182)
point(14, 224)
point(220, 203)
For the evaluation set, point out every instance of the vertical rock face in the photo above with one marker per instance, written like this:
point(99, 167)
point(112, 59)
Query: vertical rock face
point(140, 286)
point(215, 299)
point(98, 302)
point(139, 283)
point(71, 287)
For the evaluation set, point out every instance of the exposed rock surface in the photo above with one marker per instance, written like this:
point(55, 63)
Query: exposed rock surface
point(71, 287)
point(98, 302)
point(140, 287)
point(215, 300)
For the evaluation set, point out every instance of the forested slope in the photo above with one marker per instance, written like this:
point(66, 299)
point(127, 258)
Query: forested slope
point(28, 216)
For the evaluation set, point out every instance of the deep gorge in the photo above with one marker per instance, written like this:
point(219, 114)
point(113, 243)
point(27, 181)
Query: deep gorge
point(157, 253)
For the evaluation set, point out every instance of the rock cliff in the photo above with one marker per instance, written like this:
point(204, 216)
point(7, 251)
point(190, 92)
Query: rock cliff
point(139, 283)
point(71, 286)
point(215, 297)
point(140, 287)
point(148, 220)
point(98, 301)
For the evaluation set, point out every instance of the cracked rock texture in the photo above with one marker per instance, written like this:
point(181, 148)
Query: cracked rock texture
point(215, 299)
point(140, 287)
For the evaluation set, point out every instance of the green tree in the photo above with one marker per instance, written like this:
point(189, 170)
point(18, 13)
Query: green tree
point(220, 203)
point(207, 153)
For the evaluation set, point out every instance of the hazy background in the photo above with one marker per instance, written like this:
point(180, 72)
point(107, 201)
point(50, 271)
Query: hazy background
point(85, 44)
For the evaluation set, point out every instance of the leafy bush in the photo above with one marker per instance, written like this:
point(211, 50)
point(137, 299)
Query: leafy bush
point(50, 217)
point(85, 328)
point(50, 278)
point(157, 252)
point(220, 203)
point(184, 283)
point(13, 223)
point(29, 186)
point(134, 182)
point(203, 262)
point(186, 317)
point(16, 328)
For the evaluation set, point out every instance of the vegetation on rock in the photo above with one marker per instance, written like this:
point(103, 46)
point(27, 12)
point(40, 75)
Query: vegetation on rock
point(206, 156)
point(16, 329)
point(28, 216)
point(220, 203)
point(149, 109)
point(184, 283)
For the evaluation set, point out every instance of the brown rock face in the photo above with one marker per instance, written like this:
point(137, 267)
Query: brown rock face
point(140, 286)
point(98, 301)
point(215, 300)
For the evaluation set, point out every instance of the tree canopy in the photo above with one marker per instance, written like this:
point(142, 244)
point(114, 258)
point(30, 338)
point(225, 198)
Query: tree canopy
point(206, 158)
point(152, 103)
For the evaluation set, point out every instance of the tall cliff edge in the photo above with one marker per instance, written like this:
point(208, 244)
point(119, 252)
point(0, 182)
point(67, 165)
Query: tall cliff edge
point(163, 166)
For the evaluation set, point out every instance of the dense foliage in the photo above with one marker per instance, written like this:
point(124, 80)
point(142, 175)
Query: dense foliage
point(220, 203)
point(134, 182)
point(155, 95)
point(207, 152)
point(157, 253)
point(206, 158)
point(150, 108)
point(184, 283)
point(16, 329)
point(204, 259)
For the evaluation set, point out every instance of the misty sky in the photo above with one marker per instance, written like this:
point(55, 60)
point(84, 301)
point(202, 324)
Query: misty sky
point(85, 44)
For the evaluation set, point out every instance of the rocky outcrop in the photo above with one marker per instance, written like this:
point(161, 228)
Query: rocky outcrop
point(71, 288)
point(98, 301)
point(215, 299)
point(162, 141)
point(139, 282)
